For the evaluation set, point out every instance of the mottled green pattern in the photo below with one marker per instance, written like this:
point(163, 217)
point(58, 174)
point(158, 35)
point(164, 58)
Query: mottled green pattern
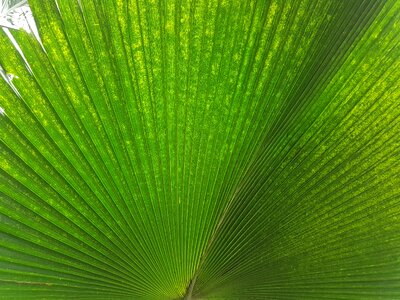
point(250, 147)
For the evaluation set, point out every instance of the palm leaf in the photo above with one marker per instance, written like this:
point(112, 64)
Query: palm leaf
point(207, 149)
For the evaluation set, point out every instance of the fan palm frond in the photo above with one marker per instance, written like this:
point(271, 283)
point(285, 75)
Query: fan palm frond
point(207, 149)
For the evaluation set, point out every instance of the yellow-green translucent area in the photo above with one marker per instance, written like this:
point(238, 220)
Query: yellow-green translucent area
point(248, 147)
